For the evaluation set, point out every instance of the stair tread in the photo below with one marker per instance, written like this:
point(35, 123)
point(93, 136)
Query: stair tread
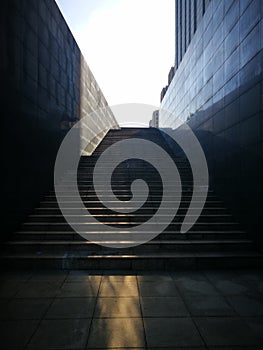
point(118, 231)
point(218, 254)
point(178, 241)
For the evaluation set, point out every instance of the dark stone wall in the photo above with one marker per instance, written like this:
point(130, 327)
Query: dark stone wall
point(41, 76)
point(218, 90)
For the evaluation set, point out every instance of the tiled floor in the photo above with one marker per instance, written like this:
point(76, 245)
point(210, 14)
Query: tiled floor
point(117, 310)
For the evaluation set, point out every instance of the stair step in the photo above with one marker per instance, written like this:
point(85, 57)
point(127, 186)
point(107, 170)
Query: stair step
point(64, 235)
point(46, 240)
point(97, 227)
point(57, 211)
point(157, 261)
point(152, 204)
point(152, 246)
point(127, 217)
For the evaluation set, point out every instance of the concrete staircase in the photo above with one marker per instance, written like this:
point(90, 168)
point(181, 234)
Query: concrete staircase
point(45, 240)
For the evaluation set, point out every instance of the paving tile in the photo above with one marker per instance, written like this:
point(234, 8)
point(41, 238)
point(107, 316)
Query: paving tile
point(165, 332)
point(155, 289)
point(119, 278)
point(85, 273)
point(237, 282)
point(52, 276)
point(233, 287)
point(177, 348)
point(163, 307)
point(71, 308)
point(153, 277)
point(29, 308)
point(118, 307)
point(79, 289)
point(41, 289)
point(116, 332)
point(226, 331)
point(196, 288)
point(19, 276)
point(15, 335)
point(221, 275)
point(251, 275)
point(83, 278)
point(9, 288)
point(125, 289)
point(182, 276)
point(246, 305)
point(60, 334)
point(208, 306)
point(119, 273)
point(256, 326)
point(257, 287)
point(234, 348)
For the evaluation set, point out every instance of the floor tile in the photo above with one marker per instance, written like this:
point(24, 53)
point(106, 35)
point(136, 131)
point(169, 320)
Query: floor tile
point(119, 273)
point(182, 276)
point(15, 335)
point(61, 334)
point(29, 308)
point(233, 287)
point(41, 289)
point(118, 307)
point(71, 308)
point(217, 275)
point(19, 276)
point(164, 332)
point(235, 283)
point(155, 289)
point(208, 305)
point(79, 289)
point(119, 278)
point(153, 277)
point(226, 331)
point(234, 348)
point(116, 332)
point(163, 307)
point(83, 278)
point(9, 288)
point(195, 288)
point(246, 305)
point(256, 326)
point(178, 348)
point(251, 275)
point(125, 289)
point(50, 276)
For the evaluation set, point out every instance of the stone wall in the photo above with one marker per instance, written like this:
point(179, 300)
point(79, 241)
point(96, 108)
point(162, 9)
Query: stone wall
point(47, 86)
point(218, 90)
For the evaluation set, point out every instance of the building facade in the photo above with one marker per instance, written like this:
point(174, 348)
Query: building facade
point(217, 88)
point(154, 122)
point(48, 86)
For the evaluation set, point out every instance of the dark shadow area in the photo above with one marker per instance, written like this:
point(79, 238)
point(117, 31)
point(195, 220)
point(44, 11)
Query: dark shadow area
point(40, 72)
point(230, 134)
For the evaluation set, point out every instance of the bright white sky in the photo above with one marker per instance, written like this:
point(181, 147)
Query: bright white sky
point(128, 44)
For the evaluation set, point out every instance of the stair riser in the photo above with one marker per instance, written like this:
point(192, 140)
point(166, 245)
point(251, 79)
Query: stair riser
point(145, 248)
point(41, 211)
point(98, 227)
point(164, 236)
point(194, 263)
point(94, 204)
point(122, 219)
